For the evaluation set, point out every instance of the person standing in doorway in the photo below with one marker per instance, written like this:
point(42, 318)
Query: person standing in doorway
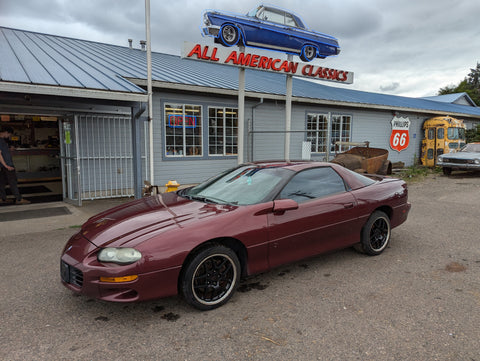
point(7, 169)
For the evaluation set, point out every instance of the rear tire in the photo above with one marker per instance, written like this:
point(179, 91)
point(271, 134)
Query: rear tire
point(375, 234)
point(211, 277)
point(309, 52)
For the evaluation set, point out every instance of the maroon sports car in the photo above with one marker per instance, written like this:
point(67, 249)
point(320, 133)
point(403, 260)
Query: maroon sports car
point(199, 241)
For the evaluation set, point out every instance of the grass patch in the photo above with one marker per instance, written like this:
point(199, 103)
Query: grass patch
point(417, 173)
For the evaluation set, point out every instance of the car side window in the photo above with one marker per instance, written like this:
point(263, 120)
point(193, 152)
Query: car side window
point(274, 16)
point(313, 183)
point(290, 21)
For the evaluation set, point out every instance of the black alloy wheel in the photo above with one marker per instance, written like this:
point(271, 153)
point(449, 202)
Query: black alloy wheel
point(211, 277)
point(375, 234)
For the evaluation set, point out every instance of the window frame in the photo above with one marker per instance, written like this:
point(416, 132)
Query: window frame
point(184, 136)
point(225, 128)
point(316, 132)
point(328, 145)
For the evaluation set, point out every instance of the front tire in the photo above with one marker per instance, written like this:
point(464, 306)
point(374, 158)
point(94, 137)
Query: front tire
point(229, 35)
point(211, 277)
point(375, 234)
point(447, 171)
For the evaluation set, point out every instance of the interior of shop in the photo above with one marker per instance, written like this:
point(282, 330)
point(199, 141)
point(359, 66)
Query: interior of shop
point(35, 149)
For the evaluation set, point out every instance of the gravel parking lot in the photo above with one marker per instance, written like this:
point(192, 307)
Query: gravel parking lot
point(419, 300)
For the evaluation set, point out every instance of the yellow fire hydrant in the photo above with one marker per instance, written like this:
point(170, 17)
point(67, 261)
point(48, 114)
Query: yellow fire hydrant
point(172, 186)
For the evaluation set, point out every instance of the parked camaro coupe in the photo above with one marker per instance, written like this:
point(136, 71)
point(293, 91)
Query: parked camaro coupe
point(467, 158)
point(269, 28)
point(199, 241)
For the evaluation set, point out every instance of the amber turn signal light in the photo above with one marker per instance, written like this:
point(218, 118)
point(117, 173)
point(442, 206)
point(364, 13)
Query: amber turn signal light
point(119, 279)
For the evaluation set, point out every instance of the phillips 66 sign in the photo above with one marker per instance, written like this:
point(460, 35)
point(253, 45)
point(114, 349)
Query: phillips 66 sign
point(399, 139)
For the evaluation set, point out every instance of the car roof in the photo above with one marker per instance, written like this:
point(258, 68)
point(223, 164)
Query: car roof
point(298, 165)
point(294, 165)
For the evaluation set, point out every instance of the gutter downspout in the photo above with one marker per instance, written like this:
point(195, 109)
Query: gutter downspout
point(149, 87)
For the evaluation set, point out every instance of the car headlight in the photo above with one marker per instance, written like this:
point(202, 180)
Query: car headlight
point(119, 255)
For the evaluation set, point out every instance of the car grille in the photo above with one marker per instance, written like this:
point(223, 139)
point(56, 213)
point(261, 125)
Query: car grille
point(455, 160)
point(71, 274)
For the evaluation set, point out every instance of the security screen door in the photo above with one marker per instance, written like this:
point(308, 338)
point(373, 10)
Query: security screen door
point(97, 157)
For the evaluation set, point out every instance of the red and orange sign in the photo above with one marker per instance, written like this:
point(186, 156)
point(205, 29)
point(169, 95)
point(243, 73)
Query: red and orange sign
point(400, 138)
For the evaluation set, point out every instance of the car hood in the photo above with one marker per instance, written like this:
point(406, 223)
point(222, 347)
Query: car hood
point(462, 155)
point(131, 223)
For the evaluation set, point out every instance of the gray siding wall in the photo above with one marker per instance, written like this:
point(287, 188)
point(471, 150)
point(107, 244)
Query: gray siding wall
point(186, 170)
point(367, 125)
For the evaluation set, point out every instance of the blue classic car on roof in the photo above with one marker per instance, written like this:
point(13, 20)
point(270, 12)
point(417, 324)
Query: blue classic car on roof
point(271, 28)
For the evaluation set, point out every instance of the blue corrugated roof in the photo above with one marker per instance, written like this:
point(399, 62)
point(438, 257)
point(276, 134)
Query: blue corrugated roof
point(452, 98)
point(42, 59)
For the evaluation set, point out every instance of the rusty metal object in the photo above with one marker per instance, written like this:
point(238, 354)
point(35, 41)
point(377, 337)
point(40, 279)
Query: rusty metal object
point(365, 160)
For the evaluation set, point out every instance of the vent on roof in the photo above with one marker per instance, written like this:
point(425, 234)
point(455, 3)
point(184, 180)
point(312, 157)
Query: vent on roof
point(143, 44)
point(130, 41)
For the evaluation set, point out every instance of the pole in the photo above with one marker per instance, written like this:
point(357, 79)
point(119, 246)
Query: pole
point(288, 112)
point(149, 86)
point(241, 111)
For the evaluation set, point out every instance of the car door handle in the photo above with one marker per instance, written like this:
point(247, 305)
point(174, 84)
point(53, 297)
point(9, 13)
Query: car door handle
point(348, 205)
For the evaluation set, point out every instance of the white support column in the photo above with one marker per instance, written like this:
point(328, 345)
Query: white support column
point(241, 112)
point(288, 112)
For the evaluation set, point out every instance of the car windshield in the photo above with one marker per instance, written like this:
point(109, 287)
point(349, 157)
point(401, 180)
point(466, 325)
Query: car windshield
point(472, 147)
point(245, 185)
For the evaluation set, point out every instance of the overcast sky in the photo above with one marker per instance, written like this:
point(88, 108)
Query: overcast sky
point(409, 47)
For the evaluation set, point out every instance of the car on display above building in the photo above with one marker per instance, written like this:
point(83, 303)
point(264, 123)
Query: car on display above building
point(467, 158)
point(199, 241)
point(271, 28)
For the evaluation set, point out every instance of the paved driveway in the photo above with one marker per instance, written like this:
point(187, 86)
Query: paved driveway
point(419, 300)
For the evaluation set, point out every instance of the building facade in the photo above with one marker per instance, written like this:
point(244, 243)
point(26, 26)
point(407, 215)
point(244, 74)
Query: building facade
point(78, 110)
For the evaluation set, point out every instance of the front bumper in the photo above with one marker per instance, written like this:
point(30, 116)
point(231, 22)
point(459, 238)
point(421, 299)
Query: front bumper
point(80, 272)
point(459, 165)
point(211, 30)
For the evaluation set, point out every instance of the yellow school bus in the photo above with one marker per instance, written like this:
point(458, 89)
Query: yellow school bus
point(441, 135)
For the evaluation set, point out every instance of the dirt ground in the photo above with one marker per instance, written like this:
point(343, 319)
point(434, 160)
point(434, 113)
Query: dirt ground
point(419, 300)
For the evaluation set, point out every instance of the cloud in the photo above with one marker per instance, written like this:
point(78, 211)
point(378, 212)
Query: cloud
point(411, 47)
point(389, 88)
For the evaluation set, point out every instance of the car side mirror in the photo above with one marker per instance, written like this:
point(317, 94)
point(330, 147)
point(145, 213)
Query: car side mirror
point(282, 205)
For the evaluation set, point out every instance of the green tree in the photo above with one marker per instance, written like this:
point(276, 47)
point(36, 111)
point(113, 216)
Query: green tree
point(473, 135)
point(470, 85)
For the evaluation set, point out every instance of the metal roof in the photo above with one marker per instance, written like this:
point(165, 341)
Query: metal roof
point(48, 63)
point(453, 98)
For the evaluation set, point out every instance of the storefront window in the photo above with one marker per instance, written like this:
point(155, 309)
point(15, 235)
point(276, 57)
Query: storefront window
point(317, 132)
point(183, 130)
point(222, 131)
point(341, 126)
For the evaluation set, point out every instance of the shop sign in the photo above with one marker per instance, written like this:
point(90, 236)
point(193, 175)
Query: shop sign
point(250, 60)
point(179, 121)
point(399, 139)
